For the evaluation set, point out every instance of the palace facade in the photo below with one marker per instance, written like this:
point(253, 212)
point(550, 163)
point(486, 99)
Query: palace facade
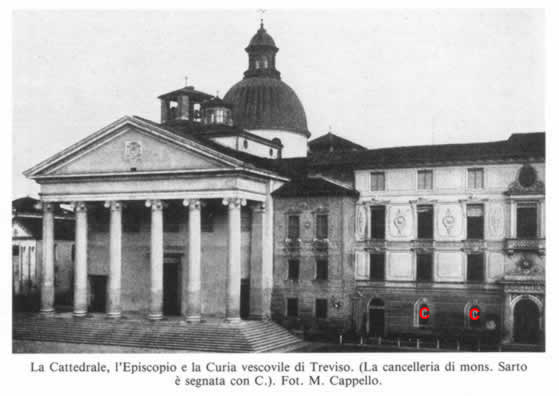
point(225, 210)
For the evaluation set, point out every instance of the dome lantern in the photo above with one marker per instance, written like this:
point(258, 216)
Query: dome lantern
point(262, 55)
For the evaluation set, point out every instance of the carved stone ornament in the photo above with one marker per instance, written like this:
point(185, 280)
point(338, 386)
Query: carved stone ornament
point(449, 221)
point(399, 222)
point(133, 152)
point(361, 220)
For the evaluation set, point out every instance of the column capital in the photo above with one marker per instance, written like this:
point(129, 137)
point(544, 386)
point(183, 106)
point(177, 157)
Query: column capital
point(234, 202)
point(154, 204)
point(114, 205)
point(258, 207)
point(192, 203)
point(80, 206)
point(46, 206)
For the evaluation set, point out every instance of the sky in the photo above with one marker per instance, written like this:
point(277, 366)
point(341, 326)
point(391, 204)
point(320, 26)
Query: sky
point(381, 78)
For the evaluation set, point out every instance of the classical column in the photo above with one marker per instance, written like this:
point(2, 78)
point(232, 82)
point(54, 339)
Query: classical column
point(115, 259)
point(233, 273)
point(193, 286)
point(47, 270)
point(80, 262)
point(156, 260)
point(256, 262)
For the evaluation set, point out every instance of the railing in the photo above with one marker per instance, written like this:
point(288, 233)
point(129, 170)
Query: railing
point(513, 245)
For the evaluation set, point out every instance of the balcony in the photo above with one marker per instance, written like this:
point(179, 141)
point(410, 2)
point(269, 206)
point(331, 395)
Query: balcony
point(320, 244)
point(525, 245)
point(292, 245)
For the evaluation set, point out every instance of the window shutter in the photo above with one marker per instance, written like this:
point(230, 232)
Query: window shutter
point(361, 265)
point(361, 222)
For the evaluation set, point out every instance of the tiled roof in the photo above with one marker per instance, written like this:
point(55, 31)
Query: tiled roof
point(519, 147)
point(331, 142)
point(312, 187)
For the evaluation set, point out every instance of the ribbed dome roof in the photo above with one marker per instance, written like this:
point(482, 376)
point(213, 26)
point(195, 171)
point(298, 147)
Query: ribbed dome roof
point(266, 103)
point(262, 38)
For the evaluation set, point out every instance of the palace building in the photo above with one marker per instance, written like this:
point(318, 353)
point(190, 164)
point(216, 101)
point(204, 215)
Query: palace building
point(225, 210)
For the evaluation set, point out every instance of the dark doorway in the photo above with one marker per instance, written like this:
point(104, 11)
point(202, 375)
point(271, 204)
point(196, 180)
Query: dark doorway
point(171, 276)
point(98, 290)
point(376, 318)
point(526, 322)
point(245, 298)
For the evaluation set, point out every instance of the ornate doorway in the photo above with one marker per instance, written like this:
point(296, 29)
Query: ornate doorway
point(526, 322)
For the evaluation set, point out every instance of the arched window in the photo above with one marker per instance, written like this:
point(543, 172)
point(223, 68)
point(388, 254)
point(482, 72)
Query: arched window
point(422, 313)
point(245, 144)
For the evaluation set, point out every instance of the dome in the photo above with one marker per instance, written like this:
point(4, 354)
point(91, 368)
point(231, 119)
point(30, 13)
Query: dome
point(266, 103)
point(262, 38)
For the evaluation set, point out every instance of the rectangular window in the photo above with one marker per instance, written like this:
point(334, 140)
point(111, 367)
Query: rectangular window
point(293, 269)
point(475, 178)
point(207, 219)
point(378, 222)
point(475, 268)
point(475, 221)
point(376, 267)
point(131, 219)
point(425, 221)
point(527, 220)
point(424, 267)
point(246, 220)
point(15, 250)
point(292, 307)
point(322, 269)
point(293, 227)
point(425, 180)
point(377, 181)
point(321, 308)
point(322, 226)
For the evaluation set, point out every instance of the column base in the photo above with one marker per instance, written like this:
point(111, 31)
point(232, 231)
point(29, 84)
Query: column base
point(193, 319)
point(113, 315)
point(47, 311)
point(155, 316)
point(232, 320)
point(79, 314)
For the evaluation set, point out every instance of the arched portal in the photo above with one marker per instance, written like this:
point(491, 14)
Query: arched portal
point(376, 317)
point(526, 321)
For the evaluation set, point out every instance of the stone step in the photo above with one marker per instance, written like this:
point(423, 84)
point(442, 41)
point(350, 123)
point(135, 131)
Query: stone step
point(246, 336)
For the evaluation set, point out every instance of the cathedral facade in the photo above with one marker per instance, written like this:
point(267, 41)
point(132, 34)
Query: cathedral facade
point(225, 210)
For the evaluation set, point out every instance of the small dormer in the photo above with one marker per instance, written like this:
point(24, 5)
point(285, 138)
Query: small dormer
point(183, 105)
point(216, 112)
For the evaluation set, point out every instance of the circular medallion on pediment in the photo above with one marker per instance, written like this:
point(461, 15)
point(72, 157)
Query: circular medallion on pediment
point(527, 176)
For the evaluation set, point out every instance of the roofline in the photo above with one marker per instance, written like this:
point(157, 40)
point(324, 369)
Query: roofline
point(32, 172)
point(305, 133)
point(242, 132)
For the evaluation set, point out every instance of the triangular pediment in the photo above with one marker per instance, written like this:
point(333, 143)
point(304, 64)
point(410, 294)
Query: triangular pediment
point(132, 146)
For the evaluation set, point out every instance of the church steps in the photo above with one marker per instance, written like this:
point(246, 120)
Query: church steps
point(246, 336)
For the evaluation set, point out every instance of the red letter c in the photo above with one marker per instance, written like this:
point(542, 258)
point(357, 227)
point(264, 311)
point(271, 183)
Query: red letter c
point(474, 313)
point(422, 313)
